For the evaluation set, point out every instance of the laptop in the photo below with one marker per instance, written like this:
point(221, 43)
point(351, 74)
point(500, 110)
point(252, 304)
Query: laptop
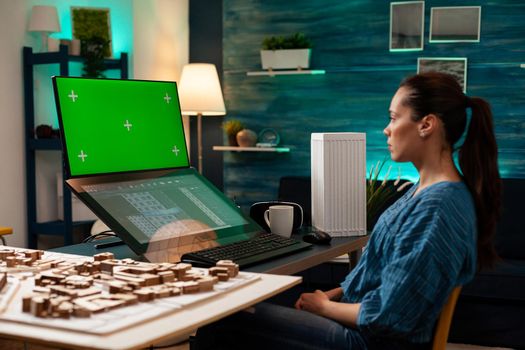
point(125, 157)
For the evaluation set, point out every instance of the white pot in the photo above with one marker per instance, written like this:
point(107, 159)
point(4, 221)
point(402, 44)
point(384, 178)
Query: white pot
point(285, 59)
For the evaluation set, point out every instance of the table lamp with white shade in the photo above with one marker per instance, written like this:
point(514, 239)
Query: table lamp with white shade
point(201, 95)
point(44, 19)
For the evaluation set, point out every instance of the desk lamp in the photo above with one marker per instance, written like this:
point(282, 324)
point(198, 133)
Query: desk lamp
point(200, 94)
point(44, 19)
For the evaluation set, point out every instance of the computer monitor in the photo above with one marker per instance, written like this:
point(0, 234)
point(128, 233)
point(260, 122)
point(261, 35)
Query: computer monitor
point(119, 139)
point(111, 126)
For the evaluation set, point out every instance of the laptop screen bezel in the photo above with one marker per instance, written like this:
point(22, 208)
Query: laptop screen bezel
point(63, 137)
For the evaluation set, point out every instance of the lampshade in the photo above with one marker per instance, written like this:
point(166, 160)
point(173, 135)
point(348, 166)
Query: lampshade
point(200, 90)
point(44, 19)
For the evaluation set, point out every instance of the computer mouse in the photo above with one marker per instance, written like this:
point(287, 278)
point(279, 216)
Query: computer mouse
point(317, 237)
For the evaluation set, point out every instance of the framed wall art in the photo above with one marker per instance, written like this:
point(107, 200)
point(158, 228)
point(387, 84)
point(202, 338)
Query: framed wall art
point(456, 66)
point(455, 24)
point(407, 21)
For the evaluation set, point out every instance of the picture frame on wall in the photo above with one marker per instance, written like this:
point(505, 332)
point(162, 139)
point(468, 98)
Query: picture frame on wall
point(407, 21)
point(456, 66)
point(93, 25)
point(455, 24)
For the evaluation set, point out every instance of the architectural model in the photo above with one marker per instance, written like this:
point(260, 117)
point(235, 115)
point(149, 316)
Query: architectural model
point(74, 288)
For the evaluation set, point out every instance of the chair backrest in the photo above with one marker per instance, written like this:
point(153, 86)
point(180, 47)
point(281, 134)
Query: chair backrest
point(444, 321)
point(5, 231)
point(297, 189)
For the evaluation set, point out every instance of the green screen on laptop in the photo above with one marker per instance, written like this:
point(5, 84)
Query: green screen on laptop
point(117, 126)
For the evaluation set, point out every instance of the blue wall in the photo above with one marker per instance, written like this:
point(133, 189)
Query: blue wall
point(351, 40)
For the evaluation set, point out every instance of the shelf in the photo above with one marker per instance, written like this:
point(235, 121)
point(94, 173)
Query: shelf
point(62, 55)
point(251, 149)
point(45, 144)
point(287, 72)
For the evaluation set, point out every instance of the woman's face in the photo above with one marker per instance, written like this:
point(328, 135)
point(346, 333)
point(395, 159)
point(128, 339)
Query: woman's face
point(404, 142)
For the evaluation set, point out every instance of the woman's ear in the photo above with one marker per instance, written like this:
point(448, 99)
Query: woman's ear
point(427, 124)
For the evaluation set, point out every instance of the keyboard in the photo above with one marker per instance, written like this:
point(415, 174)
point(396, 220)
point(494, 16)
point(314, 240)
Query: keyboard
point(245, 253)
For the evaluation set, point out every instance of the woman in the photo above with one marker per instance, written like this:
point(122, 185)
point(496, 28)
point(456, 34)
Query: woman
point(431, 240)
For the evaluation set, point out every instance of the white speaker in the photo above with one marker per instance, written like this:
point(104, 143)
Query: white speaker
point(339, 183)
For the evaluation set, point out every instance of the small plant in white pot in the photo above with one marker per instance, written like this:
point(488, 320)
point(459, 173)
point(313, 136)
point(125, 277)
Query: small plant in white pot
point(291, 52)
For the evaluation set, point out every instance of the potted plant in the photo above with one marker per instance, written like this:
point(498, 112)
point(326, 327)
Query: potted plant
point(381, 193)
point(92, 49)
point(231, 128)
point(290, 52)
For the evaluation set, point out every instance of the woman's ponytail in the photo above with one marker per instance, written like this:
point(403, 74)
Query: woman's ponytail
point(478, 159)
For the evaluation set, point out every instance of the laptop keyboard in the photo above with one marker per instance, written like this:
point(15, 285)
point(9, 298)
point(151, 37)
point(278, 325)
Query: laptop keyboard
point(263, 247)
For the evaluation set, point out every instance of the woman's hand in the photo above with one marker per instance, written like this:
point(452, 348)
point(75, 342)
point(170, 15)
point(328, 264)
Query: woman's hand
point(315, 302)
point(320, 304)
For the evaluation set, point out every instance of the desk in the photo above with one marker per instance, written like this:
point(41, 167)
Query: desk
point(175, 325)
point(286, 265)
point(184, 322)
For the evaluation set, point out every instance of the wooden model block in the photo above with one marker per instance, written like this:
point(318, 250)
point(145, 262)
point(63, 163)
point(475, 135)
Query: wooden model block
point(65, 309)
point(5, 252)
point(116, 287)
point(33, 254)
point(87, 292)
point(190, 287)
point(233, 268)
point(103, 256)
point(3, 280)
point(206, 283)
point(144, 295)
point(223, 277)
point(150, 279)
point(37, 306)
point(107, 265)
point(166, 276)
point(10, 261)
point(26, 302)
point(223, 273)
point(81, 312)
point(88, 305)
point(139, 270)
point(128, 299)
point(180, 270)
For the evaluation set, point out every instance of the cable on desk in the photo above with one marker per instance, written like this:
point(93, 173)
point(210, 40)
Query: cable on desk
point(107, 233)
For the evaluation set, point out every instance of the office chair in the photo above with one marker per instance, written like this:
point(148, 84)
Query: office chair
point(297, 189)
point(5, 231)
point(444, 321)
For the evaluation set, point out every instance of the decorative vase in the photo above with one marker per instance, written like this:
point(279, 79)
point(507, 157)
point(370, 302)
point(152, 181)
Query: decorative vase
point(232, 140)
point(246, 138)
point(286, 59)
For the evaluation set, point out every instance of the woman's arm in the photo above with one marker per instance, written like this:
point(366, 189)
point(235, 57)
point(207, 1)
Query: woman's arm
point(334, 294)
point(320, 303)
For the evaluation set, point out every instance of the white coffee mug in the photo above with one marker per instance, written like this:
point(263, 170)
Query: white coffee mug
point(280, 219)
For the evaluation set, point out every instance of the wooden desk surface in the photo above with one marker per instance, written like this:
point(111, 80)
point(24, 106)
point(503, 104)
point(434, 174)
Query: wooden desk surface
point(318, 254)
point(178, 324)
point(286, 265)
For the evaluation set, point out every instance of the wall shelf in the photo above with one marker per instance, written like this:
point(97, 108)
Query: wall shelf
point(286, 72)
point(251, 149)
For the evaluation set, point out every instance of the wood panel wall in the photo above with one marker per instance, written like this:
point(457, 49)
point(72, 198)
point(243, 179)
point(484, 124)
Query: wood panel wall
point(351, 40)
